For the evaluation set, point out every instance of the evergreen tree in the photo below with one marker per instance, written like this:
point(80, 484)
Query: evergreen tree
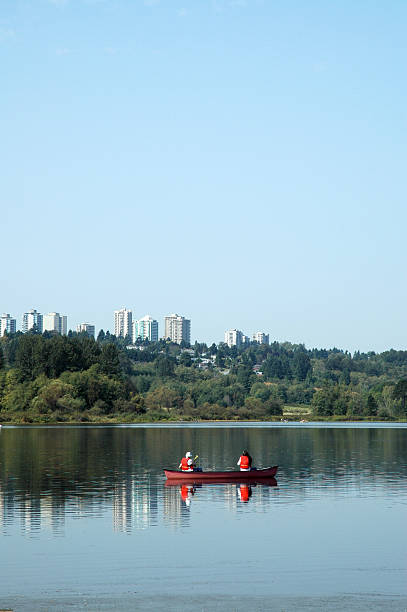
point(400, 392)
point(101, 336)
point(109, 360)
point(371, 405)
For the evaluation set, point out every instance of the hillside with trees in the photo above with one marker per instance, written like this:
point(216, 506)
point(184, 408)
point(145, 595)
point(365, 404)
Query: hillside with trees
point(51, 378)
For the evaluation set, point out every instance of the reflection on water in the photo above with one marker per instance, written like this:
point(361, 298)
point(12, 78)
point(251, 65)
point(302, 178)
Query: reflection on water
point(87, 515)
point(179, 497)
point(50, 474)
point(88, 511)
point(134, 503)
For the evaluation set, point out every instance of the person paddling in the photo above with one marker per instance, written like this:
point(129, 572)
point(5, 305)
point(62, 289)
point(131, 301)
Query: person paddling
point(187, 464)
point(245, 462)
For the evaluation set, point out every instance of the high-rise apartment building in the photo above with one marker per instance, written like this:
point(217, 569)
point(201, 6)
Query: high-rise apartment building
point(261, 338)
point(55, 322)
point(123, 323)
point(177, 329)
point(234, 337)
point(7, 324)
point(145, 328)
point(32, 319)
point(87, 328)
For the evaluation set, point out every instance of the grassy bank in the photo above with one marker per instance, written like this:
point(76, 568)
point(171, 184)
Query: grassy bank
point(290, 414)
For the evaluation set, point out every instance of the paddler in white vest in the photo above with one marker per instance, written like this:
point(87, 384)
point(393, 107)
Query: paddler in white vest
point(187, 464)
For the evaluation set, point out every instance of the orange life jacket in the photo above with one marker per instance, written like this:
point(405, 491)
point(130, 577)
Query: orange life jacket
point(244, 462)
point(244, 493)
point(184, 465)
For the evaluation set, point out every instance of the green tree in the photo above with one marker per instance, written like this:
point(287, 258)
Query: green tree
point(162, 398)
point(220, 359)
point(371, 405)
point(400, 393)
point(345, 376)
point(387, 400)
point(274, 407)
point(31, 357)
point(185, 360)
point(261, 391)
point(276, 366)
point(164, 366)
point(109, 360)
point(301, 365)
point(323, 401)
point(355, 405)
point(93, 385)
point(49, 396)
point(245, 376)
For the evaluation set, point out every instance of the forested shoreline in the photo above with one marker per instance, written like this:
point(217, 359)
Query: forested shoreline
point(51, 378)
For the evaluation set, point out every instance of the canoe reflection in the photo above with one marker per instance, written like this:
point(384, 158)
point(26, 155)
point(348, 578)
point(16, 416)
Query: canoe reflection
point(187, 490)
point(195, 480)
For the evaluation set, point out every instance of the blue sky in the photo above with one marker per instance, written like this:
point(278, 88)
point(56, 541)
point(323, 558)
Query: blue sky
point(240, 162)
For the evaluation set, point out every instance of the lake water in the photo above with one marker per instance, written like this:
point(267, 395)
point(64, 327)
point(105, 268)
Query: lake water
point(87, 522)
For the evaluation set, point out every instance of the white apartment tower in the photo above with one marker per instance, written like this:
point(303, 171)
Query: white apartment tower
point(261, 338)
point(145, 328)
point(177, 329)
point(32, 319)
point(87, 328)
point(55, 322)
point(7, 324)
point(234, 337)
point(123, 323)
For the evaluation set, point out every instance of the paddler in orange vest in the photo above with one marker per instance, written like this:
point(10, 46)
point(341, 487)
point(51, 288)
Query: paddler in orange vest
point(187, 465)
point(245, 462)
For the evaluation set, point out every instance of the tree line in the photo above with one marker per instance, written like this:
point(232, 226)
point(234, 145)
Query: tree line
point(49, 378)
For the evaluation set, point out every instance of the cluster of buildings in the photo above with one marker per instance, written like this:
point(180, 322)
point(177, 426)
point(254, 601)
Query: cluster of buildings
point(176, 327)
point(234, 337)
point(52, 322)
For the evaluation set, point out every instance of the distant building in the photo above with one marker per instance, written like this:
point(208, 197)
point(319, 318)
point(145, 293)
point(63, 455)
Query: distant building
point(177, 329)
point(55, 322)
point(87, 328)
point(261, 338)
point(145, 328)
point(7, 324)
point(32, 319)
point(123, 320)
point(234, 337)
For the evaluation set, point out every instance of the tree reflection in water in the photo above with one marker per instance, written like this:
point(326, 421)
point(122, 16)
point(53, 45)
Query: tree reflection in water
point(49, 473)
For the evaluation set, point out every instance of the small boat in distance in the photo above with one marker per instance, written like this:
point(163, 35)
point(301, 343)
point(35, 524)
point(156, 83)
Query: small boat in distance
point(229, 476)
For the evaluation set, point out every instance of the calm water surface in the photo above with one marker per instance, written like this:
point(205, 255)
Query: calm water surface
point(87, 521)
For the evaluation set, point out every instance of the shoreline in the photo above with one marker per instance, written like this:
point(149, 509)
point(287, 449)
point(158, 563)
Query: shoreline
point(281, 422)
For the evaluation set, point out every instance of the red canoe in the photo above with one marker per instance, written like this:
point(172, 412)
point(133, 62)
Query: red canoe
point(222, 476)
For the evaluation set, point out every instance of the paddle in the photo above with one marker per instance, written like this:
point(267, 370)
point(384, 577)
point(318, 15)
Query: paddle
point(196, 469)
